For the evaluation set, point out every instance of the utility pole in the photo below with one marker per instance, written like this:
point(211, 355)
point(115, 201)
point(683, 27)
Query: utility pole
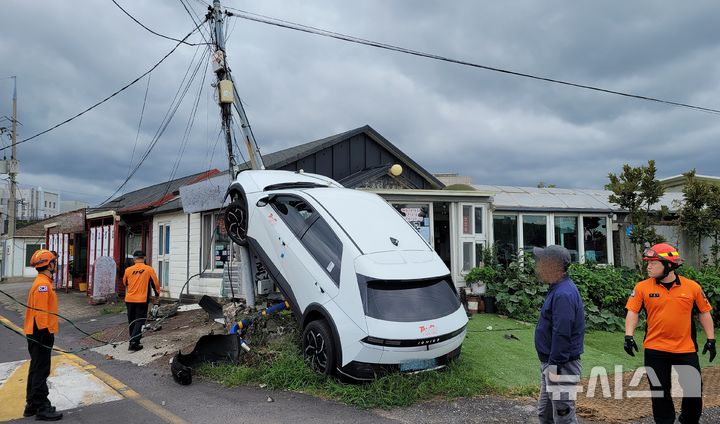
point(228, 96)
point(12, 167)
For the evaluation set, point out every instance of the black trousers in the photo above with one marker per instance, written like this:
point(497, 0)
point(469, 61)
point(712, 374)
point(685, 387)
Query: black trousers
point(40, 344)
point(137, 313)
point(662, 407)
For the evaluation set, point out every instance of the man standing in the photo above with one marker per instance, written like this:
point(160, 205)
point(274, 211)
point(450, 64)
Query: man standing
point(138, 280)
point(669, 301)
point(40, 328)
point(559, 337)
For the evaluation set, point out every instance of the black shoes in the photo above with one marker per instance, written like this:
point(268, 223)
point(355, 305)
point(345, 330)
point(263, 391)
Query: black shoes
point(48, 414)
point(135, 347)
point(44, 413)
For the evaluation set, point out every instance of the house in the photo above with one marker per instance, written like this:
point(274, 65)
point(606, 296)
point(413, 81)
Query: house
point(453, 222)
point(17, 251)
point(675, 184)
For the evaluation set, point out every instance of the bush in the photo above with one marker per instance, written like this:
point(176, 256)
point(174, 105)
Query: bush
point(709, 278)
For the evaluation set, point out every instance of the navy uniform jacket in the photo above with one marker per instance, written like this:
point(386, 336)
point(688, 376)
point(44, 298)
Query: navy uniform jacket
point(560, 331)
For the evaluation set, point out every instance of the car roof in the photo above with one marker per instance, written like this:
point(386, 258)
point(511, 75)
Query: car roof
point(369, 220)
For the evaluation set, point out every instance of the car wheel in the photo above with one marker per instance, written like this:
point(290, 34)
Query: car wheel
point(236, 221)
point(319, 347)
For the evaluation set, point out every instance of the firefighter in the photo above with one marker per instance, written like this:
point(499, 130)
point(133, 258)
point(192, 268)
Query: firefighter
point(40, 329)
point(139, 279)
point(669, 301)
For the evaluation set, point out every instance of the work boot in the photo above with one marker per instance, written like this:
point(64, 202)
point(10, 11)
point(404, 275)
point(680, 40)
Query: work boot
point(31, 410)
point(135, 347)
point(48, 413)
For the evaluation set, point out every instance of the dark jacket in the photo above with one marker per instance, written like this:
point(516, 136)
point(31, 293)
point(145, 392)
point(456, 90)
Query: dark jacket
point(560, 331)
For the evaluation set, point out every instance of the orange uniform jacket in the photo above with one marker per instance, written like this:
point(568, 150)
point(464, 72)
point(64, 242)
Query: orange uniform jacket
point(669, 313)
point(137, 280)
point(42, 296)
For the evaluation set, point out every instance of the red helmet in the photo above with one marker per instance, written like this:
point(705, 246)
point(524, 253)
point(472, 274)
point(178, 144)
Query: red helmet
point(662, 252)
point(41, 258)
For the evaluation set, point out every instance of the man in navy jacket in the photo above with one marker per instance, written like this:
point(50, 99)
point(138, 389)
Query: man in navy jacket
point(559, 337)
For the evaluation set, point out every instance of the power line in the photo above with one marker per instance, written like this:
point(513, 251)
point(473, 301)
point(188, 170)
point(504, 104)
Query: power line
point(151, 31)
point(169, 114)
point(106, 98)
point(142, 113)
point(344, 37)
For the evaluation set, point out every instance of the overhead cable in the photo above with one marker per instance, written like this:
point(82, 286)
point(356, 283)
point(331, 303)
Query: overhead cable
point(151, 31)
point(106, 98)
point(317, 31)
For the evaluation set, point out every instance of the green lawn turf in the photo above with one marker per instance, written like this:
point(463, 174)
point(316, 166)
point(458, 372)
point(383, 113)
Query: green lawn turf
point(514, 363)
point(489, 363)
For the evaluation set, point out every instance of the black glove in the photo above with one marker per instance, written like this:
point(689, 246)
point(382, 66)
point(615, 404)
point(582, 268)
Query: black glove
point(630, 345)
point(710, 347)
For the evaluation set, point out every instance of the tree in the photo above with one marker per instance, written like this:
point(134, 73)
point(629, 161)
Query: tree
point(636, 190)
point(694, 214)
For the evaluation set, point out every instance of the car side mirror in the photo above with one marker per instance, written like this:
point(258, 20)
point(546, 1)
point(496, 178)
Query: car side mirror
point(263, 202)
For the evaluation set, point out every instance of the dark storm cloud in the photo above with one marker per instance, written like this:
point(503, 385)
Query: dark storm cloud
point(299, 87)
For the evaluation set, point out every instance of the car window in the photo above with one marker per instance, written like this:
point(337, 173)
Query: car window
point(296, 213)
point(408, 301)
point(325, 246)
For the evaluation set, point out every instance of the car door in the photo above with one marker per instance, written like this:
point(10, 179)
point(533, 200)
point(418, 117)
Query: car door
point(296, 216)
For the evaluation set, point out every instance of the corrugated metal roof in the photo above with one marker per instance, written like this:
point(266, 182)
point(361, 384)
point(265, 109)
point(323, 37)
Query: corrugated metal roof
point(562, 199)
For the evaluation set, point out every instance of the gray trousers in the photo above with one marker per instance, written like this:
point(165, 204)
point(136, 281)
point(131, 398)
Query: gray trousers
point(558, 391)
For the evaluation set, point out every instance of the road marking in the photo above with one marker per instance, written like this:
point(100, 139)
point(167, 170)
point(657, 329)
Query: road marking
point(17, 394)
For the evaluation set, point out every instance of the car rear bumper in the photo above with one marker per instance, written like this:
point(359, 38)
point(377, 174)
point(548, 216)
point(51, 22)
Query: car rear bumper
point(375, 361)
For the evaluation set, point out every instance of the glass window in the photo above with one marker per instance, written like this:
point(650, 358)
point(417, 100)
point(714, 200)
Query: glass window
point(161, 239)
point(467, 255)
point(478, 220)
point(161, 274)
point(534, 232)
point(466, 219)
point(408, 301)
point(322, 243)
point(296, 213)
point(595, 233)
point(506, 237)
point(30, 249)
point(478, 254)
point(566, 234)
point(167, 239)
point(216, 246)
point(418, 216)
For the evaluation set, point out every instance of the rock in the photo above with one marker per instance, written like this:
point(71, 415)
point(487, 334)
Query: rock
point(269, 399)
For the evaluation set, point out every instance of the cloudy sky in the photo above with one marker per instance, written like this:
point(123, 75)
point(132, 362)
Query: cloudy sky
point(299, 87)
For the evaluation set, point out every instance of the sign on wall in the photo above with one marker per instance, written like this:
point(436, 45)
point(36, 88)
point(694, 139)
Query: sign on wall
point(418, 215)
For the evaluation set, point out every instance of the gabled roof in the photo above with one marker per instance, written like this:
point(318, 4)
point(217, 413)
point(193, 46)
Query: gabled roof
point(152, 196)
point(281, 158)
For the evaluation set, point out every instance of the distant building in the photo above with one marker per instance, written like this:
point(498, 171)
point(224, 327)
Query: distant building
point(677, 183)
point(72, 205)
point(33, 204)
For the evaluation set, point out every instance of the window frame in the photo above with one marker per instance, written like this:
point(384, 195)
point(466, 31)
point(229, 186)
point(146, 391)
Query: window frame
point(297, 230)
point(336, 272)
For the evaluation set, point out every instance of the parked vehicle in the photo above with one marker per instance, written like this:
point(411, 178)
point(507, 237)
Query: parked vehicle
point(371, 296)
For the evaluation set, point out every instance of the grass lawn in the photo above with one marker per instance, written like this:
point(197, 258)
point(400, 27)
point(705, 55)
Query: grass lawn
point(490, 363)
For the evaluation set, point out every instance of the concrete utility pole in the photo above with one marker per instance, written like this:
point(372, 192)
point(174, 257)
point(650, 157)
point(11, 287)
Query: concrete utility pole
point(228, 96)
point(12, 167)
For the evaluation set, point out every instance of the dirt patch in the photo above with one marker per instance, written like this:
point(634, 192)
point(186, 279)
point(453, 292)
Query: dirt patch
point(611, 410)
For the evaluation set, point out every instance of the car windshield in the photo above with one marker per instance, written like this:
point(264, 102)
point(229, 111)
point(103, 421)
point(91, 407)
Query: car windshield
point(408, 301)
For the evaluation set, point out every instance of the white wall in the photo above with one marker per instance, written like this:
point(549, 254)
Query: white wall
point(178, 256)
point(18, 245)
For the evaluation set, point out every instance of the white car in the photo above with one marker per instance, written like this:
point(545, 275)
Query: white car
point(370, 294)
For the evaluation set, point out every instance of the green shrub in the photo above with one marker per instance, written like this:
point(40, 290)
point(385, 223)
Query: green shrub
point(709, 278)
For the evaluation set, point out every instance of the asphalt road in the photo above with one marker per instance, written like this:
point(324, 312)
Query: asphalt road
point(156, 398)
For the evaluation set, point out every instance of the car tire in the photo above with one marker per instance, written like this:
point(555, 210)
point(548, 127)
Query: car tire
point(318, 347)
point(236, 221)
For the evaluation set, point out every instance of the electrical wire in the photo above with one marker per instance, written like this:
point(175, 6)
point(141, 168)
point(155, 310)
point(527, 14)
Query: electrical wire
point(344, 37)
point(105, 99)
point(142, 113)
point(151, 31)
point(169, 115)
point(198, 23)
point(190, 124)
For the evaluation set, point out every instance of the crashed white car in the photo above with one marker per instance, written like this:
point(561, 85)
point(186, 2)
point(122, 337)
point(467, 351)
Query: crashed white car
point(371, 296)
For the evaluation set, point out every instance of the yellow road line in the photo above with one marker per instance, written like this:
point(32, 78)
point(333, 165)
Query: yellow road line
point(13, 391)
point(111, 381)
